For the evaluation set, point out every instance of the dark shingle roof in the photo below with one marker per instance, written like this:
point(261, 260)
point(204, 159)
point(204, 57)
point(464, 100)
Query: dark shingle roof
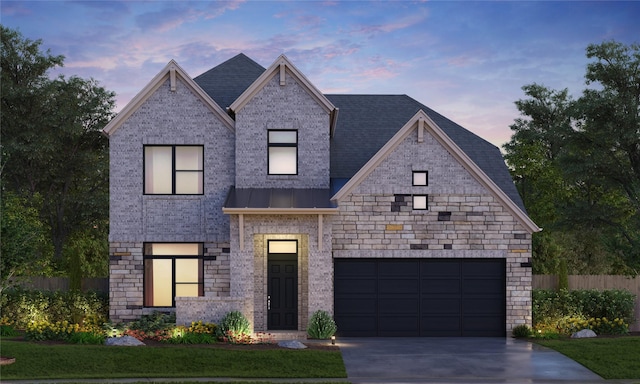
point(226, 82)
point(365, 123)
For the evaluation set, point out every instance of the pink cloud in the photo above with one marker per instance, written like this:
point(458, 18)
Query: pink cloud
point(14, 8)
point(401, 23)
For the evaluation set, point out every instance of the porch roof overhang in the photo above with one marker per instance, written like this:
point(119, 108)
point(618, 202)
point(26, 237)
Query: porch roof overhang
point(279, 201)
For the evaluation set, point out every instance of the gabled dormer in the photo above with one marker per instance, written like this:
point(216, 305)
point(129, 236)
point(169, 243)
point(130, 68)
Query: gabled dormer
point(283, 127)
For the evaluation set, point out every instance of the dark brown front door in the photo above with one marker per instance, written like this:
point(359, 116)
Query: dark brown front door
point(282, 299)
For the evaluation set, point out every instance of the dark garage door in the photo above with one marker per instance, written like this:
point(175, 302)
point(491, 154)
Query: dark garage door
point(420, 297)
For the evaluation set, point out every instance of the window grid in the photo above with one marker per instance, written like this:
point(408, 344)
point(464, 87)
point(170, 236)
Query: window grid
point(282, 152)
point(176, 174)
point(150, 290)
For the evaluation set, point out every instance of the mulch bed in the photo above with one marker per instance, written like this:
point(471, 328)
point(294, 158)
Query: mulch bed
point(318, 345)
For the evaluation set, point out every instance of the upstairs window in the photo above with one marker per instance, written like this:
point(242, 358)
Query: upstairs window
point(283, 152)
point(173, 169)
point(420, 178)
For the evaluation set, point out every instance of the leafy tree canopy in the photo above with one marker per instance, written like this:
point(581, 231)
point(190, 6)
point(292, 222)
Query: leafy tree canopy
point(51, 141)
point(577, 165)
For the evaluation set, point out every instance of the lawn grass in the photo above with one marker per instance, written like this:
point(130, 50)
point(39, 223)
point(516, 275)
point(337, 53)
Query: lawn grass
point(65, 361)
point(611, 358)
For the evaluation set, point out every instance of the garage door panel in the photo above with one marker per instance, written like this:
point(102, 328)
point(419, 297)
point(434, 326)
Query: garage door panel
point(420, 297)
point(398, 306)
point(356, 286)
point(440, 286)
point(350, 306)
point(397, 326)
point(439, 268)
point(440, 326)
point(482, 286)
point(484, 306)
point(360, 326)
point(482, 268)
point(395, 268)
point(398, 286)
point(481, 326)
point(441, 306)
point(358, 268)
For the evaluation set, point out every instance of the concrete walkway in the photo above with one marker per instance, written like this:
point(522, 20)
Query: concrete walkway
point(458, 360)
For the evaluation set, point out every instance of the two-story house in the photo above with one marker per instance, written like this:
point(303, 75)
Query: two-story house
point(248, 189)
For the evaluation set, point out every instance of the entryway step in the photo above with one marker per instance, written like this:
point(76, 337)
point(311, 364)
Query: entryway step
point(280, 335)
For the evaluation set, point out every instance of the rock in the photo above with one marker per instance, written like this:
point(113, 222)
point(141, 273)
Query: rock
point(585, 333)
point(292, 344)
point(127, 341)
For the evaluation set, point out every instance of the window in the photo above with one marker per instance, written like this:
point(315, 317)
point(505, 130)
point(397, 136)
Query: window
point(283, 152)
point(420, 178)
point(172, 270)
point(420, 202)
point(173, 169)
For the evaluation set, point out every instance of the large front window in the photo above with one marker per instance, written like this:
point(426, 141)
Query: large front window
point(172, 270)
point(283, 152)
point(173, 169)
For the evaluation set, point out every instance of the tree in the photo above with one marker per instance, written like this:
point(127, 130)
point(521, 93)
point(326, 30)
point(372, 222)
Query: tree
point(606, 144)
point(22, 238)
point(577, 165)
point(51, 140)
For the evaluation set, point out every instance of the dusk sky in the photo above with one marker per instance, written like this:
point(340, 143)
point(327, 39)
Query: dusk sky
point(466, 60)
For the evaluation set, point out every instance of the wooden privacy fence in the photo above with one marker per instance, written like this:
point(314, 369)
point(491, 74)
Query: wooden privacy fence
point(98, 284)
point(600, 282)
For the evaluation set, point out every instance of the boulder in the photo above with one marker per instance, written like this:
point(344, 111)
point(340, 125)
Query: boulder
point(583, 334)
point(292, 344)
point(127, 341)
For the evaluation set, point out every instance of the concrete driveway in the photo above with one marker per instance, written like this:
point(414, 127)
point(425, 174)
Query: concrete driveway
point(457, 360)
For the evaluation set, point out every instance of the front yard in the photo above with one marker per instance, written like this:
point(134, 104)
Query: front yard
point(68, 361)
point(611, 358)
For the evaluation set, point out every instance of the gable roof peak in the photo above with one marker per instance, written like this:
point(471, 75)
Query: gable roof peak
point(281, 65)
point(171, 72)
point(422, 122)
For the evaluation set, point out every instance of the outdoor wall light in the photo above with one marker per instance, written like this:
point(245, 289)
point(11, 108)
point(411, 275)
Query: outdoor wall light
point(333, 340)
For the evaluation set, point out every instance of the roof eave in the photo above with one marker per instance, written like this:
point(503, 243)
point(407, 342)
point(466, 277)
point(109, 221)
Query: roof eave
point(281, 211)
point(171, 69)
point(273, 70)
point(454, 149)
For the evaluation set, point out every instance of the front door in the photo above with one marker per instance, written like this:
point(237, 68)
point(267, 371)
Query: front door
point(282, 292)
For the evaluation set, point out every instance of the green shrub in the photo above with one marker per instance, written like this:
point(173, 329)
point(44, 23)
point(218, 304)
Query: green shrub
point(521, 331)
point(8, 330)
point(192, 338)
point(321, 325)
point(153, 323)
point(86, 338)
point(26, 306)
point(234, 328)
point(561, 311)
point(197, 333)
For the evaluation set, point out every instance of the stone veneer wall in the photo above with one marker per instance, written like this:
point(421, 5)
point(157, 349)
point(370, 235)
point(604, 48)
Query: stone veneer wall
point(463, 219)
point(126, 279)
